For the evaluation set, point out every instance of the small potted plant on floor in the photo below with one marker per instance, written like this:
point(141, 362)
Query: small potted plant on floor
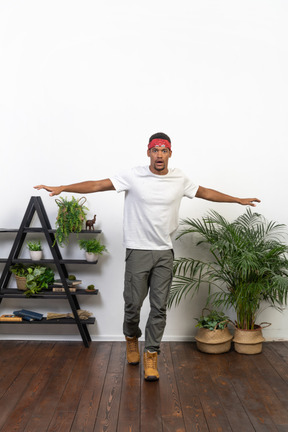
point(70, 218)
point(213, 335)
point(246, 270)
point(35, 250)
point(93, 248)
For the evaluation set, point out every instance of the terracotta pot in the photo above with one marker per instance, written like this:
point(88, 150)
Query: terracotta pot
point(248, 341)
point(213, 341)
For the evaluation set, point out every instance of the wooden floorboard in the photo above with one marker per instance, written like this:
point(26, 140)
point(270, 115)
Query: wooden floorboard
point(65, 387)
point(91, 395)
point(213, 410)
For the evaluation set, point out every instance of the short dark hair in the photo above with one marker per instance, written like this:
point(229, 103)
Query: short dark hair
point(160, 135)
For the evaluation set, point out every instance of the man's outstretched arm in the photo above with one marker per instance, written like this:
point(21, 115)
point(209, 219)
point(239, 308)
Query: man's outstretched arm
point(83, 187)
point(213, 195)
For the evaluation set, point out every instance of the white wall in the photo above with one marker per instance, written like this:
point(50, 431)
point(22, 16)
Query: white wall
point(84, 84)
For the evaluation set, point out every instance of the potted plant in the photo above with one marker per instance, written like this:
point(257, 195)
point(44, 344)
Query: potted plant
point(33, 278)
point(38, 278)
point(92, 248)
point(90, 288)
point(35, 249)
point(247, 265)
point(70, 218)
point(20, 273)
point(213, 335)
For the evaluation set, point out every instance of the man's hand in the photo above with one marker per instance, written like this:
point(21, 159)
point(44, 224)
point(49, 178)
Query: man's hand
point(55, 190)
point(249, 201)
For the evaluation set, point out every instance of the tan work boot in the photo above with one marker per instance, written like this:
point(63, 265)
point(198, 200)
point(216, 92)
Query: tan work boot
point(132, 350)
point(150, 366)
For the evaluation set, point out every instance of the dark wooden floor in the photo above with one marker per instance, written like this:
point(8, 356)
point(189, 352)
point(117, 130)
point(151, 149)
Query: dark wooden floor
point(63, 387)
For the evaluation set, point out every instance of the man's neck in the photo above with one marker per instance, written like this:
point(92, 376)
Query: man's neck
point(160, 172)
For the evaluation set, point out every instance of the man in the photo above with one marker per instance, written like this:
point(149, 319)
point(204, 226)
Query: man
point(152, 199)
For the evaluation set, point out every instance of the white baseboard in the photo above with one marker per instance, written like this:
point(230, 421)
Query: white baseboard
point(107, 338)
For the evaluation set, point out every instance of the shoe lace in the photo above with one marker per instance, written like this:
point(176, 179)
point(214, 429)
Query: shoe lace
point(151, 361)
point(133, 345)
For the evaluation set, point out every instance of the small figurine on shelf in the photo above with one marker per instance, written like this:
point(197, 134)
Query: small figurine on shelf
point(90, 223)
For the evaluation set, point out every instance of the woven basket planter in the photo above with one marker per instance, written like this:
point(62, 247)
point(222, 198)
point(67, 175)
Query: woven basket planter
point(248, 341)
point(213, 341)
point(21, 282)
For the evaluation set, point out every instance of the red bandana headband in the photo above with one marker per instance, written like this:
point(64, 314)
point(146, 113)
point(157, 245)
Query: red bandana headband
point(158, 142)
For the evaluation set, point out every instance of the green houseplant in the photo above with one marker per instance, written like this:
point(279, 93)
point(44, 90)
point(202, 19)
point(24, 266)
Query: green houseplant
point(18, 270)
point(34, 278)
point(38, 278)
point(35, 249)
point(20, 273)
point(248, 265)
point(70, 218)
point(214, 320)
point(34, 245)
point(213, 335)
point(93, 248)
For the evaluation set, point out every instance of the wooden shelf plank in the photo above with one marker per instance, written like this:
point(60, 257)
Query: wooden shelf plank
point(51, 260)
point(48, 261)
point(40, 229)
point(15, 293)
point(51, 321)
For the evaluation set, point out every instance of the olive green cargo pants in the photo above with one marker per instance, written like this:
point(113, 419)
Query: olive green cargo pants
point(147, 271)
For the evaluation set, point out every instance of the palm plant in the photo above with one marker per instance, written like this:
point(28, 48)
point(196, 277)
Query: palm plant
point(248, 265)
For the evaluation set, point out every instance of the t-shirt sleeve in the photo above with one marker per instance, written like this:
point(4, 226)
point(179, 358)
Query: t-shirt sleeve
point(190, 188)
point(121, 181)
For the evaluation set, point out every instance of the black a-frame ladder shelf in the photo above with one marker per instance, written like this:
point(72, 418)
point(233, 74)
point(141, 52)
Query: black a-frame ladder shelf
point(36, 206)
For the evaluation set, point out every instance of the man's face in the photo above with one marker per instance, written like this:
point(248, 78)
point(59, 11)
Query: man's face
point(159, 159)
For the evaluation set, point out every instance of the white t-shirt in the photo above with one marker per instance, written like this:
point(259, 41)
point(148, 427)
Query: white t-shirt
point(152, 204)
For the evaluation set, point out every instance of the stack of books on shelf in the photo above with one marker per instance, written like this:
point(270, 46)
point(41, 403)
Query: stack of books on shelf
point(72, 284)
point(28, 315)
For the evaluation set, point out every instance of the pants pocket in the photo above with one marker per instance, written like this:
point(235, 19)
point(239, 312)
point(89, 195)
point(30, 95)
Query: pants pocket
point(128, 288)
point(128, 253)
